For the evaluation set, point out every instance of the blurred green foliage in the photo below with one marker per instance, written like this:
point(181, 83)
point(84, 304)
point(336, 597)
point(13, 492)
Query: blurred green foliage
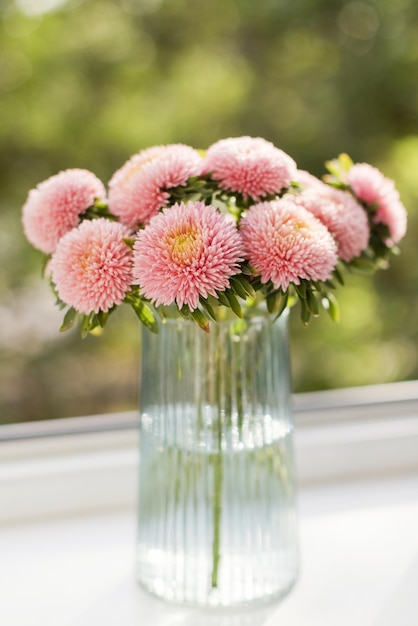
point(88, 83)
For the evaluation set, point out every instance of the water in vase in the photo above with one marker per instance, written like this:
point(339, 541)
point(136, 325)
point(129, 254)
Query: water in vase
point(216, 523)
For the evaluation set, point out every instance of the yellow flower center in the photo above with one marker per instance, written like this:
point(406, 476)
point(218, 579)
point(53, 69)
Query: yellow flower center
point(183, 246)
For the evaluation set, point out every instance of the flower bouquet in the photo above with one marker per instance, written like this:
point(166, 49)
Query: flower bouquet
point(225, 241)
point(189, 233)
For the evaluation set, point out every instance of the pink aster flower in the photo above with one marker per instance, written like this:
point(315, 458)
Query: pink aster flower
point(137, 191)
point(286, 243)
point(251, 166)
point(92, 266)
point(55, 205)
point(344, 217)
point(373, 188)
point(186, 251)
point(307, 180)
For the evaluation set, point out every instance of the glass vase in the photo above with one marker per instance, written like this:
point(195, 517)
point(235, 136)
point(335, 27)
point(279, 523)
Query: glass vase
point(216, 515)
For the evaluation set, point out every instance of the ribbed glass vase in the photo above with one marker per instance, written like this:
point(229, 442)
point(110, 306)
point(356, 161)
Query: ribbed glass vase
point(216, 519)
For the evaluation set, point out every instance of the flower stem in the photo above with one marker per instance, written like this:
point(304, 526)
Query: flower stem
point(217, 509)
point(217, 463)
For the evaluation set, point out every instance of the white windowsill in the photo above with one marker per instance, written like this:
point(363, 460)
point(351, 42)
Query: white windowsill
point(67, 511)
point(88, 465)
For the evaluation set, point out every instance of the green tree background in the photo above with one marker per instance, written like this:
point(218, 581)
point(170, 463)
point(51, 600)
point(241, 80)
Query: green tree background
point(89, 83)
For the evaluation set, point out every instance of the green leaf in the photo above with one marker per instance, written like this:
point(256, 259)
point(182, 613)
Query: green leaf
point(223, 299)
point(208, 308)
point(100, 204)
point(145, 315)
point(257, 284)
point(333, 167)
point(276, 302)
point(129, 241)
point(102, 318)
point(233, 303)
point(44, 265)
point(69, 320)
point(332, 182)
point(363, 264)
point(301, 290)
point(292, 300)
point(332, 307)
point(238, 288)
point(273, 301)
point(98, 209)
point(214, 302)
point(200, 319)
point(246, 285)
point(85, 326)
point(312, 302)
point(339, 276)
point(185, 312)
point(339, 167)
point(283, 304)
point(305, 313)
point(345, 161)
point(247, 270)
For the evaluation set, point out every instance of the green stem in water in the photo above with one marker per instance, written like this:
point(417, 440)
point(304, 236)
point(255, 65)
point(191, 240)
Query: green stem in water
point(217, 508)
point(217, 468)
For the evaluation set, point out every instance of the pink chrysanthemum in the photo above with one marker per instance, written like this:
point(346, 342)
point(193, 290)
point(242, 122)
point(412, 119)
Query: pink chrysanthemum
point(187, 251)
point(344, 217)
point(373, 188)
point(92, 266)
point(286, 243)
point(307, 180)
point(250, 166)
point(137, 189)
point(55, 205)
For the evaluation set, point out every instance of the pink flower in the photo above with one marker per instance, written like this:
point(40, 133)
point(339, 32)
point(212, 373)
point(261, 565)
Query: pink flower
point(250, 166)
point(137, 191)
point(307, 180)
point(187, 251)
point(55, 205)
point(344, 217)
point(92, 266)
point(285, 243)
point(373, 188)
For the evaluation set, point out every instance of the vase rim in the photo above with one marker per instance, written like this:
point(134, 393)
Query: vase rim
point(260, 315)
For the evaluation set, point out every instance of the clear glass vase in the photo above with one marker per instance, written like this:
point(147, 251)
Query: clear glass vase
point(216, 517)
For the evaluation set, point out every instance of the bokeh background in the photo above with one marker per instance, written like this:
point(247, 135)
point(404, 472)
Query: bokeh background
point(89, 83)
